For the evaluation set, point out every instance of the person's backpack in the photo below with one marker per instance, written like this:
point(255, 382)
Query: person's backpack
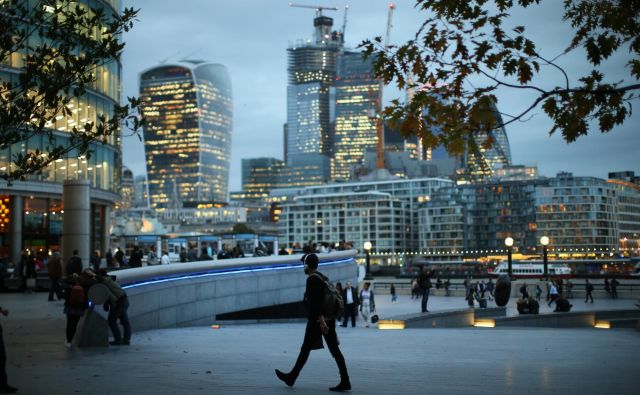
point(333, 304)
point(76, 295)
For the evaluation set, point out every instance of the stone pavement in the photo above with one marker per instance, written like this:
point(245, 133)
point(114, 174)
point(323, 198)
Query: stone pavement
point(240, 359)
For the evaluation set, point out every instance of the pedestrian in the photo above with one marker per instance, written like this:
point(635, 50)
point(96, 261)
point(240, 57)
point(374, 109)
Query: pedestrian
point(447, 284)
point(367, 303)
point(54, 269)
point(108, 257)
point(165, 260)
point(183, 255)
point(553, 294)
point(74, 306)
point(117, 305)
point(483, 289)
point(4, 385)
point(318, 326)
point(490, 288)
point(414, 289)
point(614, 288)
point(283, 251)
point(524, 291)
point(94, 260)
point(392, 291)
point(29, 275)
point(607, 288)
point(569, 289)
point(74, 265)
point(538, 292)
point(589, 289)
point(118, 258)
point(135, 260)
point(152, 257)
point(350, 297)
point(424, 284)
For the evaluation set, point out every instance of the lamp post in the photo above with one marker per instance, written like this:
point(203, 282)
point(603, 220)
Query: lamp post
point(544, 240)
point(509, 243)
point(367, 250)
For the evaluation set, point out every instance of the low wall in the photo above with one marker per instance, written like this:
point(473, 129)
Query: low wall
point(551, 320)
point(190, 294)
point(440, 319)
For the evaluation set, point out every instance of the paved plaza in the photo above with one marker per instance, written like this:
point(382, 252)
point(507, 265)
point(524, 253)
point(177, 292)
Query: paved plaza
point(239, 359)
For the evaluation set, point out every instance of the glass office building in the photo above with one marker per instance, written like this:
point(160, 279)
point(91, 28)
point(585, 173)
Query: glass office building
point(187, 138)
point(312, 72)
point(480, 164)
point(33, 210)
point(357, 101)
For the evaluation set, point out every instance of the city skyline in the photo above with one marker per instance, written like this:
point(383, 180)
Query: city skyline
point(237, 36)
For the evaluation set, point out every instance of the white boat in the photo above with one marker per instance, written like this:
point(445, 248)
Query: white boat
point(532, 269)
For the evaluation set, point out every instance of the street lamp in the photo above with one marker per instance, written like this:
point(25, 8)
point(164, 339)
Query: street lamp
point(544, 240)
point(509, 243)
point(367, 250)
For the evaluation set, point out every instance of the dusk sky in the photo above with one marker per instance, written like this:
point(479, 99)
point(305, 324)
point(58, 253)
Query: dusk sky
point(250, 38)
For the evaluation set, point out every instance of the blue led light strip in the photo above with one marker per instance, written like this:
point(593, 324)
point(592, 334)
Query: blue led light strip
point(219, 272)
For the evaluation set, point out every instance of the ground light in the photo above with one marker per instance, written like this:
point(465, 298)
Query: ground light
point(390, 324)
point(485, 323)
point(602, 325)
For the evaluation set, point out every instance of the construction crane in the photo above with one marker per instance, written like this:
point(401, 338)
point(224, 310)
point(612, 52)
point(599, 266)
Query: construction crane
point(344, 21)
point(380, 123)
point(318, 8)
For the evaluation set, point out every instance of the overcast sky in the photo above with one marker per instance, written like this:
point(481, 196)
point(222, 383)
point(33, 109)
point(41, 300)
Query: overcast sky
point(250, 38)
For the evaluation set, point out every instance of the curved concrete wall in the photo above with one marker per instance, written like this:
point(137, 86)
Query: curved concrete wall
point(189, 294)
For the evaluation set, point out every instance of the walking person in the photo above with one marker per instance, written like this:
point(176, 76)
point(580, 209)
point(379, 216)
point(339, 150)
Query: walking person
point(607, 288)
point(318, 327)
point(538, 292)
point(94, 260)
point(165, 260)
point(524, 291)
point(54, 269)
point(351, 302)
point(5, 388)
point(74, 265)
point(74, 307)
point(490, 288)
point(553, 295)
point(589, 289)
point(447, 284)
point(367, 303)
point(424, 283)
point(614, 288)
point(394, 296)
point(569, 289)
point(340, 291)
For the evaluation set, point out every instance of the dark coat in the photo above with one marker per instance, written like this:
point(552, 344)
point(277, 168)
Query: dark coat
point(74, 265)
point(313, 300)
point(355, 293)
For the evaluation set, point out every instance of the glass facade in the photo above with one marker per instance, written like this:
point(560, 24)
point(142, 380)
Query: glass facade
point(188, 108)
point(480, 165)
point(357, 99)
point(260, 175)
point(312, 72)
point(40, 198)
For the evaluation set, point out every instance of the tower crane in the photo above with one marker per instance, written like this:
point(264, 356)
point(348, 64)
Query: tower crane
point(344, 21)
point(318, 8)
point(380, 124)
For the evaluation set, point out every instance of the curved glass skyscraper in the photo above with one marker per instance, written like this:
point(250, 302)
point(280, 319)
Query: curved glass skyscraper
point(480, 165)
point(187, 138)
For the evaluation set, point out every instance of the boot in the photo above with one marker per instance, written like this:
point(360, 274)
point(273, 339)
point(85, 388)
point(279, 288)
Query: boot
point(344, 385)
point(288, 378)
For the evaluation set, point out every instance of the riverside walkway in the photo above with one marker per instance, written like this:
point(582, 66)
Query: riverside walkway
point(239, 359)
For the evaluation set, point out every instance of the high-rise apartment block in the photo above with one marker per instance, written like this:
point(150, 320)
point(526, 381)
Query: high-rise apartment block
point(188, 108)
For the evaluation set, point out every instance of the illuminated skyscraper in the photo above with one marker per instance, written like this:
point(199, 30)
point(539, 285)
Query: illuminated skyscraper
point(188, 109)
point(357, 100)
point(312, 71)
point(480, 165)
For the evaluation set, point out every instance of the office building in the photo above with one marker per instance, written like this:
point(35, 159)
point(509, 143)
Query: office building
point(479, 163)
point(357, 103)
point(188, 108)
point(32, 210)
point(127, 189)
